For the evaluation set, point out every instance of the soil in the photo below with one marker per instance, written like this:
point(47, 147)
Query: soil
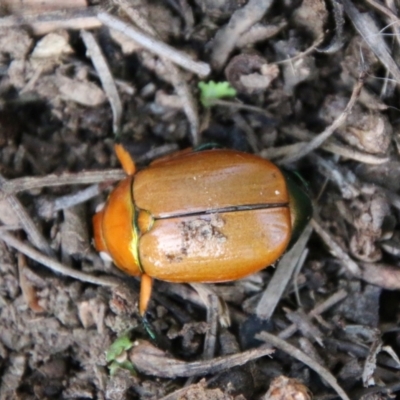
point(311, 86)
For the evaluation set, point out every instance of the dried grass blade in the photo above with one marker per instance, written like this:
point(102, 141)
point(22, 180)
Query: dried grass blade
point(367, 28)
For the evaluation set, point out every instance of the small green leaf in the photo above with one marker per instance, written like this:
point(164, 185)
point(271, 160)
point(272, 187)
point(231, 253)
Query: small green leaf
point(123, 343)
point(115, 366)
point(215, 90)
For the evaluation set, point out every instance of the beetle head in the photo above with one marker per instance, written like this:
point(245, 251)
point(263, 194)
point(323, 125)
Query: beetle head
point(114, 230)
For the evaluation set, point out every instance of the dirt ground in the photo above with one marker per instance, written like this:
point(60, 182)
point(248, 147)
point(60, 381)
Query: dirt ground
point(310, 85)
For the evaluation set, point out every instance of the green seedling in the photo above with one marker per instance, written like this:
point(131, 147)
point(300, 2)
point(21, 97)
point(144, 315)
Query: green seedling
point(117, 355)
point(211, 91)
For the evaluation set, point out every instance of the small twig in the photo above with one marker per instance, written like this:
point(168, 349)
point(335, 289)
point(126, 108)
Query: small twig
point(50, 21)
point(81, 178)
point(160, 48)
point(319, 309)
point(48, 207)
point(319, 139)
point(27, 289)
point(212, 321)
point(384, 10)
point(189, 104)
point(338, 38)
point(344, 179)
point(304, 358)
point(36, 237)
point(381, 275)
point(42, 6)
point(371, 391)
point(304, 53)
point(106, 78)
point(336, 249)
point(275, 153)
point(55, 265)
point(367, 28)
point(252, 138)
point(239, 106)
point(151, 361)
point(157, 152)
point(353, 154)
point(206, 292)
point(296, 273)
point(180, 85)
point(272, 295)
point(304, 324)
point(329, 145)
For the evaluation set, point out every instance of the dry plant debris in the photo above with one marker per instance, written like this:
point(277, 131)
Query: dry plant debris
point(316, 89)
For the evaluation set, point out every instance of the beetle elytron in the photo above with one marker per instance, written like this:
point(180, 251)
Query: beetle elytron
point(199, 216)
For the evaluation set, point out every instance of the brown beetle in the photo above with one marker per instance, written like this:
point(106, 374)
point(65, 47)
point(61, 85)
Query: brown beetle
point(199, 216)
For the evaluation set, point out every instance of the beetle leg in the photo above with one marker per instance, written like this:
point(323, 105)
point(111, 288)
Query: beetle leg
point(146, 285)
point(125, 159)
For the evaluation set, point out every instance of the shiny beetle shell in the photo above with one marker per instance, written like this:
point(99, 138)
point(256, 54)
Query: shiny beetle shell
point(207, 216)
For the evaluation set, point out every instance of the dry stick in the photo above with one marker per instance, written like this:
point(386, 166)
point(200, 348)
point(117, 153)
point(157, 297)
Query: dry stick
point(389, 10)
point(296, 274)
point(36, 237)
point(241, 20)
point(30, 228)
point(329, 145)
point(34, 6)
point(336, 42)
point(304, 53)
point(180, 85)
point(353, 154)
point(160, 48)
point(366, 27)
point(347, 183)
point(106, 78)
point(272, 295)
point(81, 178)
point(318, 140)
point(239, 106)
point(213, 306)
point(304, 324)
point(55, 265)
point(366, 393)
point(48, 207)
point(205, 292)
point(51, 21)
point(212, 321)
point(304, 358)
point(136, 16)
point(274, 153)
point(157, 152)
point(189, 103)
point(336, 249)
point(385, 10)
point(319, 309)
point(27, 288)
point(152, 361)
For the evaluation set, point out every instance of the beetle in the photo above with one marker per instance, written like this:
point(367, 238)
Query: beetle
point(199, 216)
